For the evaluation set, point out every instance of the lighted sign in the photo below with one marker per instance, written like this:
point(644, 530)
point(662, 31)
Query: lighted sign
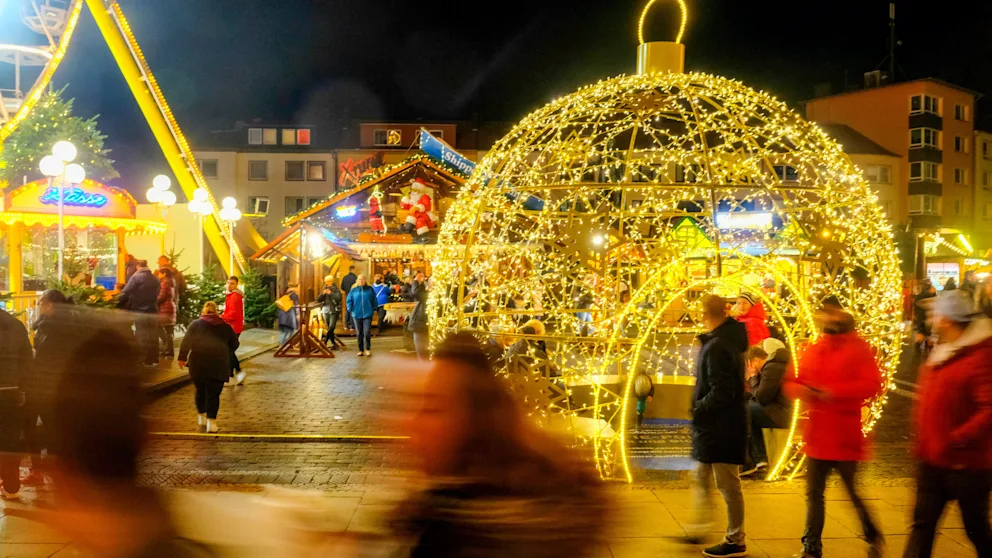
point(744, 220)
point(74, 197)
point(351, 171)
point(346, 210)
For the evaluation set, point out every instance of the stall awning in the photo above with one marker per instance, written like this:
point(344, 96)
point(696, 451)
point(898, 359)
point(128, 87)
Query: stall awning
point(130, 226)
point(319, 244)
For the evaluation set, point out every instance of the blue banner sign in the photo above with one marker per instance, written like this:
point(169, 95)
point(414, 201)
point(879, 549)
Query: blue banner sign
point(73, 196)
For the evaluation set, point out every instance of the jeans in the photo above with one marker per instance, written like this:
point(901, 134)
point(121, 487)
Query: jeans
point(287, 332)
point(935, 487)
point(235, 362)
point(728, 482)
point(10, 439)
point(382, 318)
point(364, 327)
point(331, 319)
point(167, 335)
point(208, 396)
point(759, 420)
point(146, 330)
point(349, 320)
point(421, 344)
point(816, 483)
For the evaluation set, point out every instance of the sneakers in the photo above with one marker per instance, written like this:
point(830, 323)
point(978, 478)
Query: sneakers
point(9, 496)
point(240, 377)
point(201, 419)
point(361, 353)
point(368, 353)
point(212, 426)
point(752, 469)
point(726, 550)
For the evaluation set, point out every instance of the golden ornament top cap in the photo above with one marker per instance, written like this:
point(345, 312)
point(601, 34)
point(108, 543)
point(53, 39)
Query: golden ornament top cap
point(661, 56)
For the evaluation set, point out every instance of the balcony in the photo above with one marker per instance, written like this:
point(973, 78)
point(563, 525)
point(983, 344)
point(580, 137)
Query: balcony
point(926, 120)
point(926, 153)
point(926, 188)
point(924, 222)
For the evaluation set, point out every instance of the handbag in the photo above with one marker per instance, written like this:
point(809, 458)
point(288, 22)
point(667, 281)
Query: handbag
point(285, 303)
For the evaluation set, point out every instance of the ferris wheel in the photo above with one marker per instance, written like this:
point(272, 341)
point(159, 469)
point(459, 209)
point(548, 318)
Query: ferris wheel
point(33, 36)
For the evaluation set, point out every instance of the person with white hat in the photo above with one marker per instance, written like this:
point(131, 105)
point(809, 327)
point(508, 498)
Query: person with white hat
point(954, 426)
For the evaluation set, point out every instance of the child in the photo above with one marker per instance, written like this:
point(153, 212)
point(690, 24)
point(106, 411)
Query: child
point(644, 391)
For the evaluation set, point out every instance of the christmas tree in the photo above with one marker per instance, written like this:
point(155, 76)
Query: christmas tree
point(50, 121)
point(259, 306)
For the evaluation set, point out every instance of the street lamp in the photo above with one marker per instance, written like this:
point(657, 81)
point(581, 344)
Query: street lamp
point(163, 198)
point(59, 165)
point(230, 214)
point(201, 207)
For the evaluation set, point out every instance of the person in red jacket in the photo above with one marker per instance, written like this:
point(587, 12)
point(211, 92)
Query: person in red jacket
point(953, 418)
point(836, 375)
point(751, 312)
point(234, 315)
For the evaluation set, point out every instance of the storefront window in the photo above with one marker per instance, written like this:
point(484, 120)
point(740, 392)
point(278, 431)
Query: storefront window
point(90, 256)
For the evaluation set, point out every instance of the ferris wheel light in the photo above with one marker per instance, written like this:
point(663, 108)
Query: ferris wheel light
point(65, 151)
point(162, 182)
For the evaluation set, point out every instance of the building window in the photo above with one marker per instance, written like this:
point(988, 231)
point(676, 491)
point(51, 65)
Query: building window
point(960, 176)
point(960, 144)
point(878, 174)
point(986, 149)
point(303, 136)
point(254, 136)
point(987, 211)
point(209, 168)
point(920, 104)
point(684, 174)
point(270, 136)
point(958, 207)
point(387, 138)
point(986, 179)
point(294, 170)
point(924, 205)
point(924, 137)
point(961, 112)
point(923, 171)
point(314, 201)
point(258, 170)
point(315, 170)
point(295, 204)
point(258, 205)
point(887, 208)
point(439, 134)
point(289, 136)
point(786, 173)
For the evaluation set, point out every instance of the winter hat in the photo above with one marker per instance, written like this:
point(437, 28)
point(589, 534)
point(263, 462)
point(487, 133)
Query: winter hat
point(955, 306)
point(748, 297)
point(771, 345)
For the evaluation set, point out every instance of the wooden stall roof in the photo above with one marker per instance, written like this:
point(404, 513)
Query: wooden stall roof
point(287, 245)
point(382, 174)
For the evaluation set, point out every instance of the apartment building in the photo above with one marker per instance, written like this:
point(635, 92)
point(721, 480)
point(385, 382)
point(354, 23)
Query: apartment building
point(982, 227)
point(881, 167)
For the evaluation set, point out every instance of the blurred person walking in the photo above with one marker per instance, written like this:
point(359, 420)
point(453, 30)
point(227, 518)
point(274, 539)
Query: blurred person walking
point(382, 299)
point(983, 297)
point(207, 348)
point(751, 312)
point(168, 300)
point(719, 425)
point(766, 368)
point(347, 283)
point(953, 419)
point(140, 296)
point(15, 368)
point(497, 485)
point(330, 308)
point(165, 263)
point(362, 304)
point(418, 323)
point(234, 315)
point(288, 320)
point(837, 374)
point(921, 318)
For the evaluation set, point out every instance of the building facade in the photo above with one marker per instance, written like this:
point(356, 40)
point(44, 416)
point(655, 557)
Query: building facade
point(929, 125)
point(881, 167)
point(982, 206)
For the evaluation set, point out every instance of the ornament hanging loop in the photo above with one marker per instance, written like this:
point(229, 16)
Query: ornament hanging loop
point(644, 17)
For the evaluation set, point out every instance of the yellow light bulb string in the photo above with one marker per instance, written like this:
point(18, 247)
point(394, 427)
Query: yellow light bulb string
point(644, 16)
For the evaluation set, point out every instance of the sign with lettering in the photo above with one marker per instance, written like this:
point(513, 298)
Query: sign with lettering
point(74, 197)
point(351, 172)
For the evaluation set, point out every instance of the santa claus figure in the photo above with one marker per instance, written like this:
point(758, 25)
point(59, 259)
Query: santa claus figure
point(420, 204)
point(375, 214)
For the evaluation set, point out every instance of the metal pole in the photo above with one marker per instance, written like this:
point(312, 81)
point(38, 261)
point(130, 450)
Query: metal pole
point(892, 42)
point(199, 222)
point(230, 234)
point(61, 222)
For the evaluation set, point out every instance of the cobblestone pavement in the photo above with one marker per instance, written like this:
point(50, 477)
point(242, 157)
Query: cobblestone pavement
point(344, 397)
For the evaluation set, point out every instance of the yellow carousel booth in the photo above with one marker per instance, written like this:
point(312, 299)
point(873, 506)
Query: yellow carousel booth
point(96, 218)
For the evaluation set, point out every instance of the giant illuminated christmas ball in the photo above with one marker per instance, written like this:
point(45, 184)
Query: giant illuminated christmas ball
point(607, 215)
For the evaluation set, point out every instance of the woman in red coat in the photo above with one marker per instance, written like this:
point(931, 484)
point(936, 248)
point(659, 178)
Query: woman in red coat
point(837, 374)
point(168, 301)
point(751, 312)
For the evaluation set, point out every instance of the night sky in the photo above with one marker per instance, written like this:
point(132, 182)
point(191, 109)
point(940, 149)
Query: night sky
point(324, 62)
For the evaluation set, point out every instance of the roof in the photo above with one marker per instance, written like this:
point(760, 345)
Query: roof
point(378, 176)
point(287, 245)
point(853, 142)
point(977, 94)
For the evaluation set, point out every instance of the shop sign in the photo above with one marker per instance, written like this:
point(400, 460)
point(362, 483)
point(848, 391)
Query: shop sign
point(345, 211)
point(73, 196)
point(351, 172)
point(437, 149)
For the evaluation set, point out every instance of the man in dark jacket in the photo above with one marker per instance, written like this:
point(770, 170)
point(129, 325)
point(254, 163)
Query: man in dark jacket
point(719, 424)
point(346, 284)
point(417, 323)
point(140, 296)
point(330, 301)
point(15, 365)
point(766, 366)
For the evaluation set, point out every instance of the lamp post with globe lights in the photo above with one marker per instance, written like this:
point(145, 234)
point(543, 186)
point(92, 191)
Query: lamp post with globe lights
point(200, 207)
point(163, 198)
point(59, 165)
point(230, 214)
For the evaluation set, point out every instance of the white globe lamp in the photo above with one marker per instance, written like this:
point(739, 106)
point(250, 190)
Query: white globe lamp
point(162, 182)
point(51, 166)
point(201, 195)
point(154, 195)
point(65, 151)
point(74, 173)
point(168, 198)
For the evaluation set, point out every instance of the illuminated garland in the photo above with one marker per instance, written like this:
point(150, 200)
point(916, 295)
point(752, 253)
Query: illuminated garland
point(619, 165)
point(131, 226)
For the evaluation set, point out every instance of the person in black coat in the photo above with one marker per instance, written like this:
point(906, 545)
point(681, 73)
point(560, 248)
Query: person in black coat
point(719, 422)
point(140, 296)
point(417, 323)
point(207, 347)
point(346, 284)
point(15, 366)
point(330, 308)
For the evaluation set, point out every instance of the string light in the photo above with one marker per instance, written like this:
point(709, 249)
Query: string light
point(633, 173)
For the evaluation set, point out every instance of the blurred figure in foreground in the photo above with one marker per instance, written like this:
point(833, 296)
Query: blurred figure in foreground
point(953, 425)
point(498, 486)
point(100, 506)
point(15, 365)
point(719, 425)
point(140, 296)
point(837, 374)
point(207, 347)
